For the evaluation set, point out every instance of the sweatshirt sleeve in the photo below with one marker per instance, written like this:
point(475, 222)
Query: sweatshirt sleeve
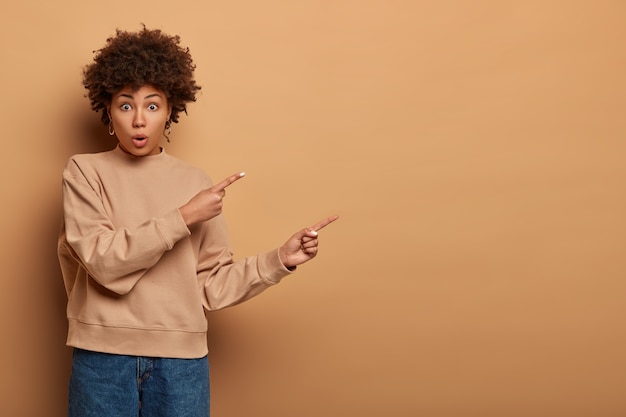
point(226, 282)
point(115, 257)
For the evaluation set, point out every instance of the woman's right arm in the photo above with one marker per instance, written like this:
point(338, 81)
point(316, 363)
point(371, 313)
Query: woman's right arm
point(115, 257)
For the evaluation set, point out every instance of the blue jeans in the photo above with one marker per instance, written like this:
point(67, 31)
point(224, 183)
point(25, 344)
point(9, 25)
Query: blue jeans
point(105, 385)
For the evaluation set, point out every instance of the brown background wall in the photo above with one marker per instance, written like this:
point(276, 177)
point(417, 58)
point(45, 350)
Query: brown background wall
point(474, 149)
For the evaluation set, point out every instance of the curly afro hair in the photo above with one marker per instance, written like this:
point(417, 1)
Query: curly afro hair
point(135, 59)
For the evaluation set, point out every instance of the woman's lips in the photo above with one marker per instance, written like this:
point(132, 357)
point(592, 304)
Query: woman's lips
point(140, 141)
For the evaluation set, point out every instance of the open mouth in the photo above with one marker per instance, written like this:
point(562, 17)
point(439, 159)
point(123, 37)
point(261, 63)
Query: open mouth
point(140, 141)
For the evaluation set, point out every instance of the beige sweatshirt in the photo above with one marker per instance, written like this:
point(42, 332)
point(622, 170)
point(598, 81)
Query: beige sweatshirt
point(138, 280)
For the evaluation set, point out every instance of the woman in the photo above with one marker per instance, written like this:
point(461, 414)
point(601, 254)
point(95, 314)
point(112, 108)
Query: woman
point(143, 249)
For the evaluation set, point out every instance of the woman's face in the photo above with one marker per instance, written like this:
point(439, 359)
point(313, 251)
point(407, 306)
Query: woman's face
point(139, 118)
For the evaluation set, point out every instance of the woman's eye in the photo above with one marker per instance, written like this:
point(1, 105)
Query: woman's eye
point(153, 107)
point(125, 107)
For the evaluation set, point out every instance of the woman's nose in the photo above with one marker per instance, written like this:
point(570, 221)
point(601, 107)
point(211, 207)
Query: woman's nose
point(139, 120)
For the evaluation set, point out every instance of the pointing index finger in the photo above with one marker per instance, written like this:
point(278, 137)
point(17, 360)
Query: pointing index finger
point(323, 223)
point(228, 181)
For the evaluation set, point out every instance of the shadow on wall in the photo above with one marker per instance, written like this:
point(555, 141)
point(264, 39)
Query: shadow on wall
point(39, 362)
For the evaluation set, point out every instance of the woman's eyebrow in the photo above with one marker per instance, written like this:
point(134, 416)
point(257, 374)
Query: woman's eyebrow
point(130, 96)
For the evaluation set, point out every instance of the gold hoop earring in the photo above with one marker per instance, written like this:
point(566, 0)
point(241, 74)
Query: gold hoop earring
point(111, 130)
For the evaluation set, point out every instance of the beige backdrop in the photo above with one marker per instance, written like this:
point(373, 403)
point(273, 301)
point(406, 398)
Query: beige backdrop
point(474, 149)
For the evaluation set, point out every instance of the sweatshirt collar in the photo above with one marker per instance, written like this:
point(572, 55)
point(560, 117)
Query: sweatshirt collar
point(125, 155)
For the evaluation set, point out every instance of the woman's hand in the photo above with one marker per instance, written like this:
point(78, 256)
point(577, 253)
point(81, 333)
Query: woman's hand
point(207, 203)
point(302, 246)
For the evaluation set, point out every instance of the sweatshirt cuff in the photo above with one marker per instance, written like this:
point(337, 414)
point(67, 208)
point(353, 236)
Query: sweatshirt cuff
point(271, 268)
point(174, 228)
